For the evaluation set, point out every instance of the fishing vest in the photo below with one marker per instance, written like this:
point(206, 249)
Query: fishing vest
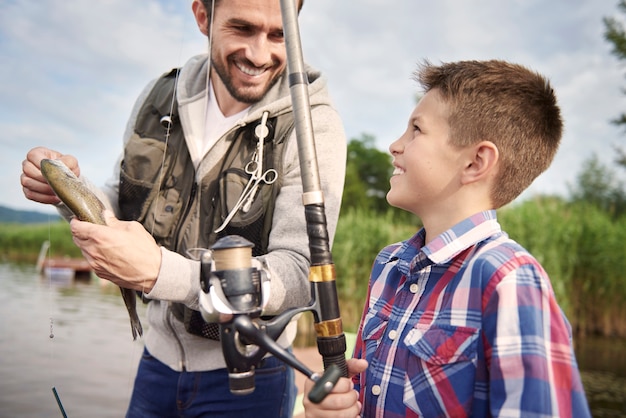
point(158, 185)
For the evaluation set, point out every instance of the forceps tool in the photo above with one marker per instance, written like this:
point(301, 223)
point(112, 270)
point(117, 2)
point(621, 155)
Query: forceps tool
point(254, 168)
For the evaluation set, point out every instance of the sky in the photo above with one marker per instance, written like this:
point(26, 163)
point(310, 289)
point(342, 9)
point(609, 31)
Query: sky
point(71, 70)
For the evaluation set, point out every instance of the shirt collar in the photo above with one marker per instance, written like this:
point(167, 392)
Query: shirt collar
point(462, 236)
point(447, 245)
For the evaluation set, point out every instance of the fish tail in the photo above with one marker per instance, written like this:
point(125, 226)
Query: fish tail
point(130, 300)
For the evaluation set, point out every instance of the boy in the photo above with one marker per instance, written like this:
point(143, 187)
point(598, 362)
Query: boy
point(461, 320)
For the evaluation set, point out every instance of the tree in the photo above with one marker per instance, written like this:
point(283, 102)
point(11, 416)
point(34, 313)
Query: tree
point(367, 175)
point(598, 185)
point(616, 34)
point(368, 171)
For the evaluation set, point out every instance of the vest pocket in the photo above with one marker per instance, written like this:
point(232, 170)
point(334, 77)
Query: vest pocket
point(162, 215)
point(139, 185)
point(132, 196)
point(232, 185)
point(249, 218)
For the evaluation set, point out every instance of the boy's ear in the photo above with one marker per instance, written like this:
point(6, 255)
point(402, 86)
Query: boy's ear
point(482, 161)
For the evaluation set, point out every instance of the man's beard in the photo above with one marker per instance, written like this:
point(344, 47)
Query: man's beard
point(241, 95)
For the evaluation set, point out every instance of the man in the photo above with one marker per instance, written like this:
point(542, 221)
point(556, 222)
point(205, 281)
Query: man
point(180, 176)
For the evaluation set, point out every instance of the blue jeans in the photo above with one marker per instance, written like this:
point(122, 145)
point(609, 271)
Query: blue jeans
point(162, 392)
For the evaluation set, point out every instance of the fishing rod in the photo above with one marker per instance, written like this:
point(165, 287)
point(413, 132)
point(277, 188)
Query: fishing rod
point(234, 288)
point(331, 341)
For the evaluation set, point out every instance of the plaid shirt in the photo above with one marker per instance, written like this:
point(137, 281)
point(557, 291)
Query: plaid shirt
point(465, 326)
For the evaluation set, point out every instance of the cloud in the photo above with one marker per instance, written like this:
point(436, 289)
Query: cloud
point(72, 69)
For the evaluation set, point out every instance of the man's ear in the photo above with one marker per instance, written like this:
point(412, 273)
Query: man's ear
point(482, 161)
point(200, 13)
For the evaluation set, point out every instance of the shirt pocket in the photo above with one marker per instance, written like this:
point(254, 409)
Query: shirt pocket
point(374, 327)
point(441, 369)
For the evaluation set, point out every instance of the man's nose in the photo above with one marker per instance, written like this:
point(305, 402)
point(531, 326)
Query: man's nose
point(258, 51)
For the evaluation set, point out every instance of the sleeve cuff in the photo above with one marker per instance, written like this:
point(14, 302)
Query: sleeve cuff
point(178, 280)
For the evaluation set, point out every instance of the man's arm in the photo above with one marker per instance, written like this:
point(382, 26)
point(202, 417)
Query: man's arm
point(289, 254)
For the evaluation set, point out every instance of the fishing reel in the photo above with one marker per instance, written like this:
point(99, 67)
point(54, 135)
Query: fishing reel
point(235, 289)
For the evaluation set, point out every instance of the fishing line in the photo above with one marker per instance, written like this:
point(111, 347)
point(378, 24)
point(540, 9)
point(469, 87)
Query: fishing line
point(42, 270)
point(167, 122)
point(191, 251)
point(46, 255)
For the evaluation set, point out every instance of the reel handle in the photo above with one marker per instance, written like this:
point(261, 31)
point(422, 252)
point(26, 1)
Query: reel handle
point(325, 383)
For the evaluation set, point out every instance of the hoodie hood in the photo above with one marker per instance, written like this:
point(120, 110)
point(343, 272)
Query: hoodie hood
point(192, 86)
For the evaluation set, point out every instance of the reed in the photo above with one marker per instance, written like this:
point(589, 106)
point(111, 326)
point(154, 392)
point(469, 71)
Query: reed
point(580, 246)
point(22, 242)
point(549, 230)
point(360, 236)
point(598, 288)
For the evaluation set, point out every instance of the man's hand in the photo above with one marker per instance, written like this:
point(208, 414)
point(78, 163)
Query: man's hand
point(34, 185)
point(121, 252)
point(342, 401)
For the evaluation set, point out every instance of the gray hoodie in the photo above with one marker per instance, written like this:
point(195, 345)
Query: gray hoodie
point(288, 256)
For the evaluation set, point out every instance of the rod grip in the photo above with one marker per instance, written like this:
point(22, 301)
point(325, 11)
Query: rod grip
point(331, 340)
point(333, 351)
point(317, 231)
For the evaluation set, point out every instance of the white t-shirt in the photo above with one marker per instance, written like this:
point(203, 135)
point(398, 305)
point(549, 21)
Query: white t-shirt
point(216, 124)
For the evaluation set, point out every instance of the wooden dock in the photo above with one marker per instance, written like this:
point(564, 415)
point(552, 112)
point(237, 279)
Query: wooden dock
point(79, 265)
point(62, 267)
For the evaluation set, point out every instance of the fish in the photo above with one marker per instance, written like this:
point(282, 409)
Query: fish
point(86, 206)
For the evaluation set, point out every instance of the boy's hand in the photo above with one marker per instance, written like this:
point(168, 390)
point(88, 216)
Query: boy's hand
point(342, 401)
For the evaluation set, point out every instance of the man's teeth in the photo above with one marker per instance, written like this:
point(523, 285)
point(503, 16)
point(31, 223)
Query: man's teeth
point(250, 71)
point(398, 170)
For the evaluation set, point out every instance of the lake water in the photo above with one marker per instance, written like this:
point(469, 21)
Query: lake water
point(75, 337)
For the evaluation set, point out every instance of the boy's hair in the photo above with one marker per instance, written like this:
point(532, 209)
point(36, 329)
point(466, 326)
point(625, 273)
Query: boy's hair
point(507, 104)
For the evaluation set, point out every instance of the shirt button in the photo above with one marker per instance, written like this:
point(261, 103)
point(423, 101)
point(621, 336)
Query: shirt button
point(376, 390)
point(414, 288)
point(393, 334)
